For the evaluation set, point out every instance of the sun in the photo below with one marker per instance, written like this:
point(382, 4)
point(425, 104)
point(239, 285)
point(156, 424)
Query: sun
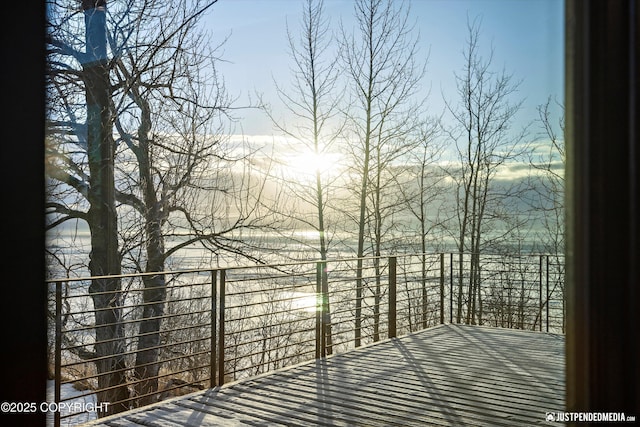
point(305, 166)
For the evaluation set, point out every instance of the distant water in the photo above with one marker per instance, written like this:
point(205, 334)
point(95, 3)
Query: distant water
point(72, 246)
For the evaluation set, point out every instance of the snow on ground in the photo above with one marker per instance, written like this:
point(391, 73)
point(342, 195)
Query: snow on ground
point(88, 401)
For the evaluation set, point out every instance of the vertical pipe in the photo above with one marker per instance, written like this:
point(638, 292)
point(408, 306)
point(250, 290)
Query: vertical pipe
point(423, 283)
point(58, 350)
point(540, 295)
point(441, 288)
point(326, 318)
point(451, 290)
point(392, 297)
point(319, 309)
point(548, 295)
point(221, 332)
point(213, 368)
point(359, 299)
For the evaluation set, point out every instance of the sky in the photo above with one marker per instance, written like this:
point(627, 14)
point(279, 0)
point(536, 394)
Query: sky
point(527, 37)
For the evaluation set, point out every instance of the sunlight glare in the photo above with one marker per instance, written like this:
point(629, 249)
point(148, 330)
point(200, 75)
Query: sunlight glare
point(305, 166)
point(307, 302)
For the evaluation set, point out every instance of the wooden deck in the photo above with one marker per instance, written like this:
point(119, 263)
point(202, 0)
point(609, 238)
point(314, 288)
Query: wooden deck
point(450, 375)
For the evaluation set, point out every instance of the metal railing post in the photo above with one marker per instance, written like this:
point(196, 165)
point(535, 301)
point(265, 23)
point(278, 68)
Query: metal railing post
point(540, 296)
point(319, 311)
point(327, 343)
point(392, 297)
point(549, 295)
point(425, 293)
point(213, 369)
point(58, 350)
point(442, 288)
point(223, 274)
point(451, 290)
point(359, 300)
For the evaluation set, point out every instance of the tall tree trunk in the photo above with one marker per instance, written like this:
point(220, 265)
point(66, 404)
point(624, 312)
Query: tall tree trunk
point(323, 238)
point(154, 294)
point(475, 225)
point(423, 248)
point(102, 218)
point(361, 226)
point(378, 244)
point(153, 299)
point(147, 365)
point(463, 234)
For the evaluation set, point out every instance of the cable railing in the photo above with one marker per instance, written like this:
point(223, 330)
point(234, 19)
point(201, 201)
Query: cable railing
point(508, 291)
point(213, 326)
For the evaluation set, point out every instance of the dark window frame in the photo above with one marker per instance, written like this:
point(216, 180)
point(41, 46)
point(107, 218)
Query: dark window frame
point(602, 194)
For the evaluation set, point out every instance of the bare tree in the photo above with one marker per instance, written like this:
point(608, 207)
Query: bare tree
point(482, 134)
point(164, 117)
point(79, 61)
point(313, 101)
point(175, 182)
point(548, 162)
point(381, 63)
point(421, 186)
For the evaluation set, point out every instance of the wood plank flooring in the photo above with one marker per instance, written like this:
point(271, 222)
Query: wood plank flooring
point(450, 375)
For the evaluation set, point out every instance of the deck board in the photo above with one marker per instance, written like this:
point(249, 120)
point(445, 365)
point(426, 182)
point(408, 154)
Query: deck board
point(450, 375)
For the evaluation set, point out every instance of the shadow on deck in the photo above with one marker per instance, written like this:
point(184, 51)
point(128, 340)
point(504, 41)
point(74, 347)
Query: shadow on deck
point(450, 375)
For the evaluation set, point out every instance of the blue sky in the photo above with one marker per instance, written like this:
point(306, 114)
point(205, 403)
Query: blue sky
point(527, 37)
